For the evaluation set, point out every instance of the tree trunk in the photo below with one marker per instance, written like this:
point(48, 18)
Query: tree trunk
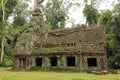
point(2, 52)
point(2, 43)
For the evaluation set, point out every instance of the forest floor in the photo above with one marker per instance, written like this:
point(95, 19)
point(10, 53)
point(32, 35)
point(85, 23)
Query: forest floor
point(8, 74)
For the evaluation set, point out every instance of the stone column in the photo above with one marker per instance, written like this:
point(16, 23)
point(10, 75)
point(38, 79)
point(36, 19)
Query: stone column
point(59, 61)
point(81, 62)
point(64, 62)
point(33, 62)
point(47, 62)
point(77, 62)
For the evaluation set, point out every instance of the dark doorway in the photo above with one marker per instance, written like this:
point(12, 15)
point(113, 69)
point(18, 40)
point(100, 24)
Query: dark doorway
point(38, 61)
point(53, 61)
point(71, 61)
point(92, 62)
point(22, 63)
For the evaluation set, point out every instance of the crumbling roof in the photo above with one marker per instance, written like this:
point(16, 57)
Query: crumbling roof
point(88, 40)
point(85, 35)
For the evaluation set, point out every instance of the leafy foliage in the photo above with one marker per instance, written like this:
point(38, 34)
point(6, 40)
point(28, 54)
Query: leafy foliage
point(6, 7)
point(10, 33)
point(114, 62)
point(113, 28)
point(116, 43)
point(19, 21)
point(56, 12)
point(91, 15)
point(106, 18)
point(10, 5)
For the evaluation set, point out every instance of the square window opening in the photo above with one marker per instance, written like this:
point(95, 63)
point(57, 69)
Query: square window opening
point(53, 61)
point(39, 62)
point(92, 62)
point(71, 61)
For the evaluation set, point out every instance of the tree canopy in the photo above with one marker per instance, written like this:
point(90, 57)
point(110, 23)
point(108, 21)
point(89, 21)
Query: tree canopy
point(9, 7)
point(91, 15)
point(56, 12)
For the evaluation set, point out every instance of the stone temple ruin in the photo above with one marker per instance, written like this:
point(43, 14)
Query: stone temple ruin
point(76, 48)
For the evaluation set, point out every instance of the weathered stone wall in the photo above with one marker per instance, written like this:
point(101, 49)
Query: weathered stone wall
point(80, 42)
point(81, 63)
point(28, 38)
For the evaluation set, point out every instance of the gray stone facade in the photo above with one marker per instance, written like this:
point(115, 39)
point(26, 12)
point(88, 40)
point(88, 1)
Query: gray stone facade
point(77, 48)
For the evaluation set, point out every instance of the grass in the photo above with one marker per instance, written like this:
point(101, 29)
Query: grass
point(7, 74)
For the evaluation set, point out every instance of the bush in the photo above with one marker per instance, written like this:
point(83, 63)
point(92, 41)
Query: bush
point(114, 62)
point(7, 62)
